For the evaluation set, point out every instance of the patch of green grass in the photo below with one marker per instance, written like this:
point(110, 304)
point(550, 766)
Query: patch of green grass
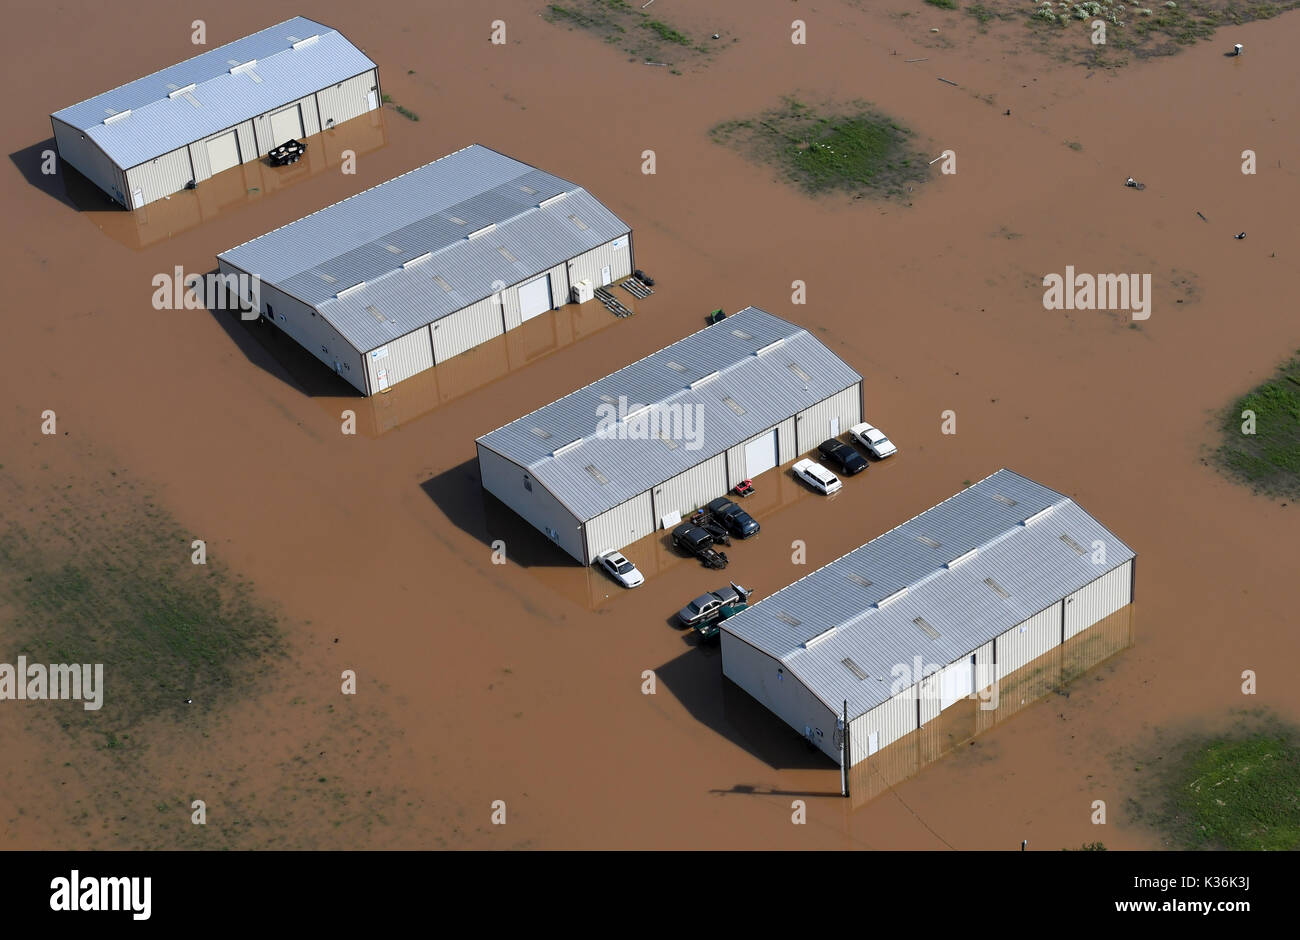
point(1089, 847)
point(407, 113)
point(666, 32)
point(631, 29)
point(123, 592)
point(388, 99)
point(945, 4)
point(1269, 458)
point(1151, 29)
point(1074, 145)
point(852, 149)
point(1239, 791)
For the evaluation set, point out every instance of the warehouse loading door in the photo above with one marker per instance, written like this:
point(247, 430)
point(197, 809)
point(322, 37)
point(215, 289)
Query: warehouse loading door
point(958, 683)
point(535, 297)
point(286, 125)
point(223, 152)
point(761, 454)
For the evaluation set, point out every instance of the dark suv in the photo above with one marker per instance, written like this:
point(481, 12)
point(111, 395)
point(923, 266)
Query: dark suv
point(734, 519)
point(698, 542)
point(843, 456)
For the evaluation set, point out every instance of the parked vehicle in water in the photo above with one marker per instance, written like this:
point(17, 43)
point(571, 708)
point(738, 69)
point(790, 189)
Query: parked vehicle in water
point(844, 456)
point(734, 519)
point(696, 541)
point(874, 440)
point(621, 570)
point(817, 476)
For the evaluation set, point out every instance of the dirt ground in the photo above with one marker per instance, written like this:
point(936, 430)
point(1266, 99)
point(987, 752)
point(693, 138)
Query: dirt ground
point(522, 683)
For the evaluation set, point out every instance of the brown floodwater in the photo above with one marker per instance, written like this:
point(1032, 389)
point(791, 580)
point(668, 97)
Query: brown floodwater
point(523, 682)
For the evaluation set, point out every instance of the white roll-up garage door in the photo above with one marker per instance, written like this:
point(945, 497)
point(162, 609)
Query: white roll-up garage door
point(761, 454)
point(286, 125)
point(535, 297)
point(958, 683)
point(223, 153)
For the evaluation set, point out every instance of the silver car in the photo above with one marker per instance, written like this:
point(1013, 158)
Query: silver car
point(706, 605)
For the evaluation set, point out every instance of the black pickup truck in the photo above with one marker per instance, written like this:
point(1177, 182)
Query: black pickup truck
point(698, 542)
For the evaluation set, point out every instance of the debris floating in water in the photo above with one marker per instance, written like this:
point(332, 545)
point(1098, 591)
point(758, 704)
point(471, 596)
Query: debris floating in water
point(1131, 183)
point(926, 59)
point(1203, 218)
point(1237, 49)
point(1240, 236)
point(953, 84)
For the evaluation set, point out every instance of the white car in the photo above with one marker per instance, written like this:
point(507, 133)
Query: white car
point(621, 570)
point(817, 476)
point(874, 440)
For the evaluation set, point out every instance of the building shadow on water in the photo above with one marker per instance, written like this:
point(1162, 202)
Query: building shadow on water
point(695, 679)
point(66, 184)
point(459, 493)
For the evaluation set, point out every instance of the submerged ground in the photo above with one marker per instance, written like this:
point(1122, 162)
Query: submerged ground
point(479, 682)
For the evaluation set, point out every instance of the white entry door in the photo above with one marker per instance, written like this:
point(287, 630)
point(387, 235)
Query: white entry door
point(223, 152)
point(761, 454)
point(286, 125)
point(137, 199)
point(535, 297)
point(605, 276)
point(835, 426)
point(372, 100)
point(873, 743)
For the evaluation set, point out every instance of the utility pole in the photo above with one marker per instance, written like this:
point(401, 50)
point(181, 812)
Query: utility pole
point(844, 751)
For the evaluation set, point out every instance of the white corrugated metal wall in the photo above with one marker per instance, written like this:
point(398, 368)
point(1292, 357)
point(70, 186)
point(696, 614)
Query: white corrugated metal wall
point(346, 100)
point(692, 488)
point(785, 443)
point(161, 177)
point(617, 254)
point(1029, 640)
point(785, 696)
point(400, 358)
point(80, 152)
point(1099, 599)
point(813, 425)
point(514, 486)
point(619, 526)
point(466, 328)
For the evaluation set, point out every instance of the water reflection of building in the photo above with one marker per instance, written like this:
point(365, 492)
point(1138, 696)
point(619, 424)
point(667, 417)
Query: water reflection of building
point(1043, 676)
point(982, 594)
point(228, 190)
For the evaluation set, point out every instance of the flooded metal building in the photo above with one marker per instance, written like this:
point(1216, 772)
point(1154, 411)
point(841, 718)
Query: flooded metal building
point(933, 612)
point(412, 272)
point(611, 463)
point(228, 106)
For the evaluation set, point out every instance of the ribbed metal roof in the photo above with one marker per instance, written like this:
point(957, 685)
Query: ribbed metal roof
point(160, 123)
point(408, 243)
point(757, 385)
point(830, 615)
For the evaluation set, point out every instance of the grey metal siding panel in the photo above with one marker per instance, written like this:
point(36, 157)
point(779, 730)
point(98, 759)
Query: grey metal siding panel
point(617, 253)
point(199, 160)
point(619, 526)
point(690, 490)
point(813, 424)
point(510, 313)
point(80, 152)
point(161, 177)
point(786, 441)
point(505, 481)
point(347, 100)
point(248, 149)
point(890, 721)
point(766, 680)
point(1027, 641)
point(404, 357)
point(465, 329)
point(559, 285)
point(1098, 600)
